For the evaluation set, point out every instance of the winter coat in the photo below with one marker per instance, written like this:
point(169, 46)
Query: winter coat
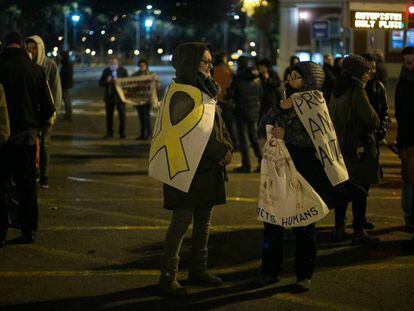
point(356, 123)
point(4, 118)
point(329, 83)
point(66, 75)
point(207, 187)
point(247, 92)
point(271, 92)
point(404, 108)
point(28, 97)
point(51, 70)
point(110, 92)
point(377, 96)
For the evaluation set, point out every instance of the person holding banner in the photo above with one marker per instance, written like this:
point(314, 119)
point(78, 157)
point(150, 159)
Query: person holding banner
point(303, 86)
point(143, 109)
point(189, 151)
point(356, 123)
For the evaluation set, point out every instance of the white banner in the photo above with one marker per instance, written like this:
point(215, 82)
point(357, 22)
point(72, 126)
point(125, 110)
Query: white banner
point(313, 112)
point(285, 197)
point(176, 149)
point(137, 90)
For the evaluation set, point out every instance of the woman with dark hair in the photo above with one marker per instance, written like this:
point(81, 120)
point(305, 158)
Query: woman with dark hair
point(144, 109)
point(193, 63)
point(292, 62)
point(271, 86)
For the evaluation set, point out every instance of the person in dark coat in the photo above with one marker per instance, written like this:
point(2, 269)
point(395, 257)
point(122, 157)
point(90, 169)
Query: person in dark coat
point(143, 110)
point(247, 93)
point(193, 63)
point(66, 78)
point(271, 87)
point(330, 78)
point(404, 113)
point(112, 100)
point(30, 107)
point(356, 124)
point(337, 67)
point(381, 71)
point(292, 62)
point(305, 76)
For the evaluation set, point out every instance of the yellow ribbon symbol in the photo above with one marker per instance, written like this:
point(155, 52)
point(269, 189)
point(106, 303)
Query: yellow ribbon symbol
point(170, 136)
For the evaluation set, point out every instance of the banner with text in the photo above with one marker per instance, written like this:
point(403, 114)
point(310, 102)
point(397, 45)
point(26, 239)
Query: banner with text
point(137, 90)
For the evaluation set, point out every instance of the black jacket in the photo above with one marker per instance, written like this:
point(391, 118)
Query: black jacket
point(110, 93)
point(66, 75)
point(247, 92)
point(404, 109)
point(271, 92)
point(28, 97)
point(329, 82)
point(377, 96)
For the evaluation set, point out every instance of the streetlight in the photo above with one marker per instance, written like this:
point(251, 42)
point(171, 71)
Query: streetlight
point(149, 22)
point(75, 20)
point(149, 7)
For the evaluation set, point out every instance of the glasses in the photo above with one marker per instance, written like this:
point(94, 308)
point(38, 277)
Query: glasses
point(208, 63)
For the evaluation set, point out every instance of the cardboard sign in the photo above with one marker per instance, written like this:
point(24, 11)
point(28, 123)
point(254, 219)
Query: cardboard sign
point(176, 149)
point(137, 90)
point(313, 112)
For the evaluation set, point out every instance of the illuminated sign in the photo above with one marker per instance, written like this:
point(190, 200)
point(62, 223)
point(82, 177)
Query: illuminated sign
point(377, 20)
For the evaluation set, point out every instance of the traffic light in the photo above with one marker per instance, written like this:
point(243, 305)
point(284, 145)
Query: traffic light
point(411, 16)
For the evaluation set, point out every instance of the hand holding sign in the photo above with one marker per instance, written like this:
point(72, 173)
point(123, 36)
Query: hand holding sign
point(278, 132)
point(286, 104)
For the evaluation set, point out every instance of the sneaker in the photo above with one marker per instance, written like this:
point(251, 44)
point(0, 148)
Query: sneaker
point(204, 278)
point(362, 237)
point(369, 225)
point(44, 184)
point(303, 285)
point(242, 169)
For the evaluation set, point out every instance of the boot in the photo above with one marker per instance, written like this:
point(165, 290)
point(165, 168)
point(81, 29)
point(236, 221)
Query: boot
point(168, 281)
point(198, 273)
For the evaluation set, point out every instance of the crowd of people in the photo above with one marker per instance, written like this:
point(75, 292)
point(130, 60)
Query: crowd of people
point(354, 89)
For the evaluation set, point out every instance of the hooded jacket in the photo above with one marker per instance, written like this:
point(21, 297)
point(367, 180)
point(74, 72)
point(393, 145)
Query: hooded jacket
point(4, 118)
point(51, 70)
point(28, 98)
point(207, 188)
point(296, 133)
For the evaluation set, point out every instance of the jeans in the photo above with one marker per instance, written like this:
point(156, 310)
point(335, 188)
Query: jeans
point(44, 155)
point(68, 103)
point(110, 105)
point(359, 209)
point(305, 250)
point(18, 162)
point(181, 220)
point(248, 131)
point(144, 120)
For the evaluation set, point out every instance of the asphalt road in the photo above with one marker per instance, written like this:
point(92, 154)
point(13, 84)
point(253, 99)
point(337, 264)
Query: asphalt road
point(102, 227)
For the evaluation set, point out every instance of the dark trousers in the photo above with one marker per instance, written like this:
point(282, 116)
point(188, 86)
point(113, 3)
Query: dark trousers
point(110, 105)
point(68, 103)
point(18, 162)
point(230, 122)
point(44, 154)
point(144, 120)
point(305, 250)
point(248, 132)
point(359, 209)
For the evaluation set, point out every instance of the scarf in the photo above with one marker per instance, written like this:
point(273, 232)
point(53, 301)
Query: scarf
point(207, 85)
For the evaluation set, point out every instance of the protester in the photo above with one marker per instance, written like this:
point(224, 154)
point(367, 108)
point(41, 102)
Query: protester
point(382, 72)
point(223, 75)
point(66, 76)
point(377, 96)
point(271, 87)
point(404, 113)
point(247, 93)
point(356, 124)
point(304, 76)
point(144, 109)
point(193, 62)
point(337, 67)
point(330, 78)
point(36, 48)
point(292, 61)
point(4, 118)
point(112, 100)
point(30, 108)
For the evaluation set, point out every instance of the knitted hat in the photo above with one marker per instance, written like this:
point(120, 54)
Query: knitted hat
point(356, 65)
point(312, 74)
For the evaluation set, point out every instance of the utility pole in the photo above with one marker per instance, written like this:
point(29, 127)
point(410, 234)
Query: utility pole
point(65, 32)
point(137, 34)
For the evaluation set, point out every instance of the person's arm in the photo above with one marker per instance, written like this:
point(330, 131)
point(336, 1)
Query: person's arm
point(364, 110)
point(400, 115)
point(45, 100)
point(4, 118)
point(103, 81)
point(55, 86)
point(383, 113)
